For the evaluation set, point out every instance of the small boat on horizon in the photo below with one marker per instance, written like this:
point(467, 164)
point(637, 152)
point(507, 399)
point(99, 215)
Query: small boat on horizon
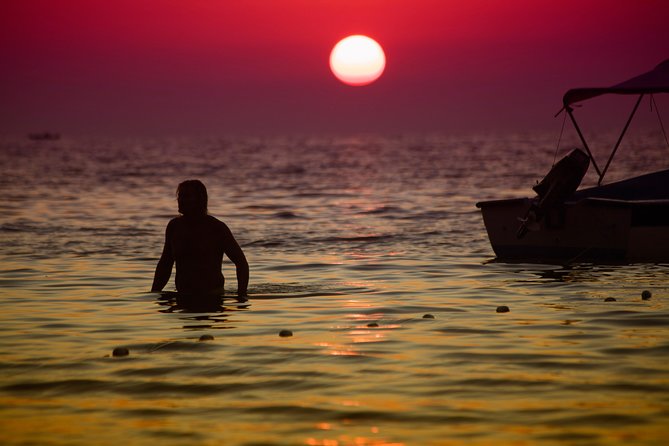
point(44, 136)
point(624, 221)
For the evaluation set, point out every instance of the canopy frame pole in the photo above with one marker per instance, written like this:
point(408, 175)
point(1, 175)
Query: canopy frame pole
point(620, 138)
point(580, 135)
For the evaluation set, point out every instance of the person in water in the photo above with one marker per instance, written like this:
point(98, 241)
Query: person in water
point(196, 241)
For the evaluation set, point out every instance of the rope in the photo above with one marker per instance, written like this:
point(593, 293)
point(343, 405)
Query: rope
point(584, 251)
point(564, 119)
point(657, 111)
point(577, 256)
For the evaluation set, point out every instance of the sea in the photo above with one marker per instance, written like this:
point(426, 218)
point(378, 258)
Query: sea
point(372, 316)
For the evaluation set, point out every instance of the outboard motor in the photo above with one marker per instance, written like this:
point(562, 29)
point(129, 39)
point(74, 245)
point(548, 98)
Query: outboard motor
point(558, 185)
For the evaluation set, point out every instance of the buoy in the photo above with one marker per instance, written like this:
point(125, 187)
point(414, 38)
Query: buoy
point(645, 295)
point(610, 299)
point(503, 309)
point(206, 337)
point(120, 351)
point(428, 316)
point(372, 324)
point(285, 333)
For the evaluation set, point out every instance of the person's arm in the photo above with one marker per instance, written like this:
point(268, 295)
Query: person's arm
point(164, 267)
point(235, 253)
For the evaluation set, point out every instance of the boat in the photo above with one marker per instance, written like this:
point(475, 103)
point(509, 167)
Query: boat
point(44, 136)
point(625, 221)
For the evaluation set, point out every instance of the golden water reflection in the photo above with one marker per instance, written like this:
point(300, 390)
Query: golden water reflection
point(363, 329)
point(345, 440)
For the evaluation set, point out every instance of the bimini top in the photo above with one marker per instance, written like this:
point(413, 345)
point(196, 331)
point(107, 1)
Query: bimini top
point(654, 81)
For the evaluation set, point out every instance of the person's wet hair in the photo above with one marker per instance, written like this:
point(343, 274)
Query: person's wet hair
point(192, 197)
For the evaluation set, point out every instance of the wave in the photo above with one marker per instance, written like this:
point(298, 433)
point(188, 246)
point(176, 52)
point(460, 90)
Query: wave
point(292, 290)
point(383, 210)
point(287, 215)
point(69, 387)
point(360, 238)
point(264, 244)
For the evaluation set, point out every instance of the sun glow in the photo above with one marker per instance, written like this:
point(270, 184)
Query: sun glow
point(357, 60)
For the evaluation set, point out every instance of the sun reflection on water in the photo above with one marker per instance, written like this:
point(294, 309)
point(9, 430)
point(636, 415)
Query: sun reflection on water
point(345, 440)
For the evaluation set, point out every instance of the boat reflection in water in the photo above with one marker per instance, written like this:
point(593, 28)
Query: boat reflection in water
point(624, 221)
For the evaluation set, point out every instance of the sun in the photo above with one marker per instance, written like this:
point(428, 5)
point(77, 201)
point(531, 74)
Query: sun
point(357, 60)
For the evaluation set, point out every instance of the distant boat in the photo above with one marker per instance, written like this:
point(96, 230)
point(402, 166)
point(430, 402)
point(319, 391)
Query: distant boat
point(44, 136)
point(625, 221)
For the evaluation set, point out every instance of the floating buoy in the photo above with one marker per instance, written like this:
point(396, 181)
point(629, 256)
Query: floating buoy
point(503, 309)
point(610, 299)
point(372, 325)
point(285, 333)
point(206, 337)
point(120, 351)
point(428, 316)
point(645, 295)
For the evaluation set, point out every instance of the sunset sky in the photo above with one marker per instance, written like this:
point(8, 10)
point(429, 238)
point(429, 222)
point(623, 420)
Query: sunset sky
point(261, 66)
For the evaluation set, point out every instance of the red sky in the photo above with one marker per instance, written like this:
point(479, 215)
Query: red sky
point(261, 66)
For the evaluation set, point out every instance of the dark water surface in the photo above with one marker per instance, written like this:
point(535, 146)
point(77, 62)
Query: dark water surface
point(351, 242)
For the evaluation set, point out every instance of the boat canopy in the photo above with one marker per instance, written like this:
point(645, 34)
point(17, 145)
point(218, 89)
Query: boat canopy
point(654, 81)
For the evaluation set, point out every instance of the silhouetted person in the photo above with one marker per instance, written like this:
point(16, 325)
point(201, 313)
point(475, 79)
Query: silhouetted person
point(196, 241)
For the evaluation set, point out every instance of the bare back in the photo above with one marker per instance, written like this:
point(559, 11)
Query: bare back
point(196, 242)
point(197, 245)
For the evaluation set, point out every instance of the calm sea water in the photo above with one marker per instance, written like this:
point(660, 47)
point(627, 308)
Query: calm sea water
point(341, 234)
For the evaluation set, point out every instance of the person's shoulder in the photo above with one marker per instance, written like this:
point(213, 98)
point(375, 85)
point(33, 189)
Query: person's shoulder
point(220, 225)
point(175, 223)
point(215, 221)
point(211, 219)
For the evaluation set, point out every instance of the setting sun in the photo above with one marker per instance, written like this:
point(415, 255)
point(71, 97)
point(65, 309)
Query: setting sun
point(357, 60)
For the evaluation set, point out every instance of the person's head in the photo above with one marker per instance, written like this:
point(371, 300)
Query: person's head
point(192, 198)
